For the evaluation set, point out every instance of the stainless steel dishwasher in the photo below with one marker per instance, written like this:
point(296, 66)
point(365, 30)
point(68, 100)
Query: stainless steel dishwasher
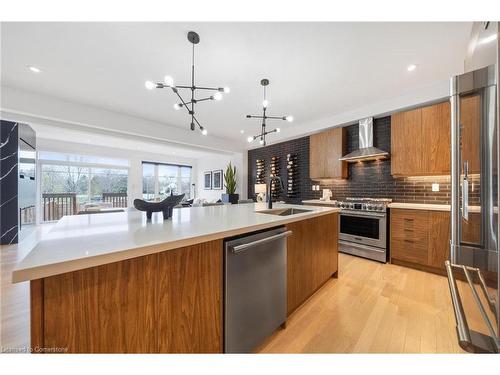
point(254, 288)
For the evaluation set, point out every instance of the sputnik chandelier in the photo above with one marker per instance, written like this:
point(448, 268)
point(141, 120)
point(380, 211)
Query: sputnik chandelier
point(168, 82)
point(264, 117)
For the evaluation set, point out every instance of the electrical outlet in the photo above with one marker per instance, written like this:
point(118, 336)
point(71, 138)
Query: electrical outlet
point(435, 187)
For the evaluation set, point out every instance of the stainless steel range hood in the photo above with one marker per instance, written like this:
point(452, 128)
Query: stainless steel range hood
point(366, 150)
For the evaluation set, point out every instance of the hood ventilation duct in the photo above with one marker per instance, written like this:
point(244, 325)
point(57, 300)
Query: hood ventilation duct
point(366, 150)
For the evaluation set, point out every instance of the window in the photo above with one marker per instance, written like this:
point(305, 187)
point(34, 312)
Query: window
point(148, 181)
point(70, 182)
point(161, 180)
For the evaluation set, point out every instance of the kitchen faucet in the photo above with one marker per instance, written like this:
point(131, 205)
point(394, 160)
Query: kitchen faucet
point(269, 198)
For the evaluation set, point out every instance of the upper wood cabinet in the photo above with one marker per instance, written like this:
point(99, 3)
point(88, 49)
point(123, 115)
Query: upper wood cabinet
point(325, 149)
point(436, 139)
point(420, 141)
point(406, 143)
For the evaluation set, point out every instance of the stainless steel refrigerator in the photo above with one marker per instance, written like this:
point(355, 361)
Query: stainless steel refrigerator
point(474, 247)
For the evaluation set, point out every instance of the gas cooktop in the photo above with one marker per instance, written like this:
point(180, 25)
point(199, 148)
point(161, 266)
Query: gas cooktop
point(364, 204)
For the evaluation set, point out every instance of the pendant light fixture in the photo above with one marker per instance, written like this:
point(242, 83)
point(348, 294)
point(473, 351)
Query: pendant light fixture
point(189, 105)
point(264, 117)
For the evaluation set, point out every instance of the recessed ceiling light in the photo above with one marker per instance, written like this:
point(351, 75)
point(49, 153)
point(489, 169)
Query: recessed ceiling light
point(34, 69)
point(242, 131)
point(411, 67)
point(488, 39)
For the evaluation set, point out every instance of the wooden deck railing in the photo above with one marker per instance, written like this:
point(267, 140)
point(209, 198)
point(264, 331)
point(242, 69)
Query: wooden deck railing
point(117, 199)
point(57, 205)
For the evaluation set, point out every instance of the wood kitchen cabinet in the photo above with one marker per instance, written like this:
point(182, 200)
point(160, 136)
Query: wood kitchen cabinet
point(406, 143)
point(409, 235)
point(325, 149)
point(436, 139)
point(439, 238)
point(420, 237)
point(420, 141)
point(312, 257)
point(168, 302)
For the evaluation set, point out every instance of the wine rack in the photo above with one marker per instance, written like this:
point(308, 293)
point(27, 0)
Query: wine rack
point(274, 170)
point(292, 172)
point(260, 177)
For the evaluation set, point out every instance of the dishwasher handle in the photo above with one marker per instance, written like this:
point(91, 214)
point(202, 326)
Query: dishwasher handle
point(246, 246)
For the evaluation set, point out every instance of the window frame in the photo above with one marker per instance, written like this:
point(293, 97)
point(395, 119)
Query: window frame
point(87, 166)
point(156, 193)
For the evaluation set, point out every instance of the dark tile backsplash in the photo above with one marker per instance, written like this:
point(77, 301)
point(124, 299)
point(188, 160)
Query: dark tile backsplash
point(299, 147)
point(371, 179)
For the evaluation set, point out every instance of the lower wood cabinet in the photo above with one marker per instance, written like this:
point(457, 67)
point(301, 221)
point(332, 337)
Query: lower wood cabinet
point(190, 299)
point(312, 257)
point(420, 237)
point(168, 302)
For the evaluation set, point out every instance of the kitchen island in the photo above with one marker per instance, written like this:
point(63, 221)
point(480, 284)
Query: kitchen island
point(116, 283)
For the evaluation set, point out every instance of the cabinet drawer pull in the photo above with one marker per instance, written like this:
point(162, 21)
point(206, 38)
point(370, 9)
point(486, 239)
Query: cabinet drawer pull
point(407, 240)
point(408, 230)
point(408, 219)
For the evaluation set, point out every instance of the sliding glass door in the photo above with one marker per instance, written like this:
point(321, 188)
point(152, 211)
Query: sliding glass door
point(161, 180)
point(70, 183)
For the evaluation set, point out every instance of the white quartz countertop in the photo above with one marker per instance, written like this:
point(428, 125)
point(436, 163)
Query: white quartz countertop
point(83, 241)
point(430, 207)
point(319, 201)
point(421, 206)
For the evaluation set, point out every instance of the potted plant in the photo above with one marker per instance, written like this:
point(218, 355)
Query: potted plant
point(230, 184)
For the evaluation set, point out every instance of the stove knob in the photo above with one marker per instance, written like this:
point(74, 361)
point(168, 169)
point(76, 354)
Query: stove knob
point(369, 207)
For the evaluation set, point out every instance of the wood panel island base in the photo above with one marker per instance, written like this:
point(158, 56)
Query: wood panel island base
point(170, 301)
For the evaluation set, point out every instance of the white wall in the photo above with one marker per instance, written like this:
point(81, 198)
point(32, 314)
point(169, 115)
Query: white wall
point(220, 162)
point(14, 101)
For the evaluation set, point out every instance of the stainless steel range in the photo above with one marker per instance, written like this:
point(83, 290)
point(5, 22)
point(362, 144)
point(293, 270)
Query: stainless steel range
point(363, 227)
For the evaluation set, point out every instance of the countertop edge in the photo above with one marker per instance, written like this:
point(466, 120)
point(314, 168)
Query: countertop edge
point(420, 206)
point(28, 274)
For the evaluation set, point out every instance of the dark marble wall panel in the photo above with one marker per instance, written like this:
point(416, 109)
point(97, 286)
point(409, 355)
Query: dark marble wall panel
point(8, 182)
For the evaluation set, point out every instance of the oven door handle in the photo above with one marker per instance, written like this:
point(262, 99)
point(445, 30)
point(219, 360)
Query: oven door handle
point(380, 216)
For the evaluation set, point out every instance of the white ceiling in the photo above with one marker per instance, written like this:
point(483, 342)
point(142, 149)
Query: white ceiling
point(316, 69)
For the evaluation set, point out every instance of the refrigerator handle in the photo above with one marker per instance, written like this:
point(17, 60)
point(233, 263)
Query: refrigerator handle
point(469, 340)
point(455, 170)
point(465, 192)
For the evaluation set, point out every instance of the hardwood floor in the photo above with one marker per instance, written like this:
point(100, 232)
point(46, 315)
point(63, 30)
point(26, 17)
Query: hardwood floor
point(373, 308)
point(370, 308)
point(14, 298)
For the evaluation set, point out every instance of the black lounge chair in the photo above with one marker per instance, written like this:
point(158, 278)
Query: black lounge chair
point(166, 206)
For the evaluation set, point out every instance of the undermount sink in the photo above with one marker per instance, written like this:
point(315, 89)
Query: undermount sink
point(283, 211)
